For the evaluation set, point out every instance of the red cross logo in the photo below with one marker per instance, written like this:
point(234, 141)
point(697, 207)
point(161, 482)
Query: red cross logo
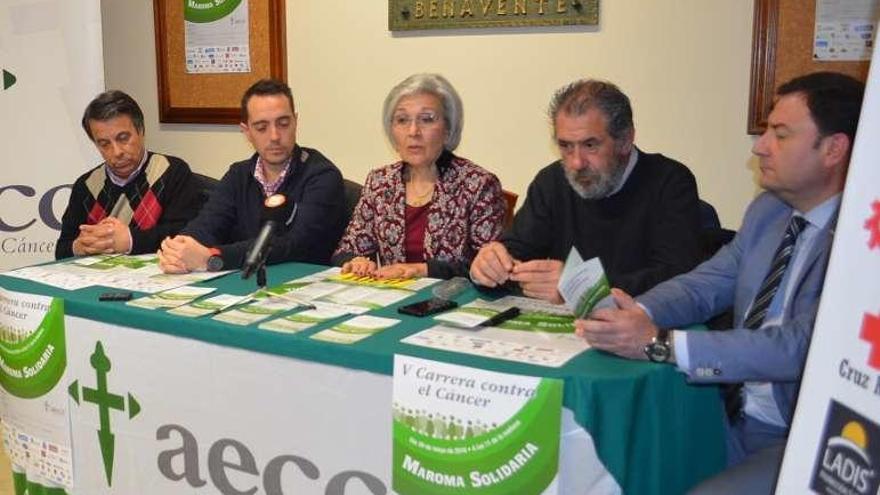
point(871, 335)
point(872, 225)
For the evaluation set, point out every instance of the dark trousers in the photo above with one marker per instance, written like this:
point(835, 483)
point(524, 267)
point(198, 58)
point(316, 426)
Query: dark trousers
point(754, 454)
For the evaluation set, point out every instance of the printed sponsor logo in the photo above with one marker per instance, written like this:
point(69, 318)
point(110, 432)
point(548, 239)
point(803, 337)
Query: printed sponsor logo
point(105, 400)
point(849, 455)
point(871, 334)
point(8, 79)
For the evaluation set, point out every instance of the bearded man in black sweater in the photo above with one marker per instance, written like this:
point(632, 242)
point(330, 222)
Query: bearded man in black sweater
point(638, 212)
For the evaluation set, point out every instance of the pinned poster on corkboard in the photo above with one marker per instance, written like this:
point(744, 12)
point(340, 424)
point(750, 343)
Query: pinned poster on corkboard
point(188, 94)
point(782, 49)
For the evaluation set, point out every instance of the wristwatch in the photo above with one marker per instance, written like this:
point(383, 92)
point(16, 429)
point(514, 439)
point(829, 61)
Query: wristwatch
point(215, 261)
point(660, 348)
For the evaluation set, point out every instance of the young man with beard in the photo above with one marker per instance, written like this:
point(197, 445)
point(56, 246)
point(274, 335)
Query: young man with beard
point(638, 212)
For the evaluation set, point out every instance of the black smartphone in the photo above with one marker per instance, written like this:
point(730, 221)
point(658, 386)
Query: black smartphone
point(115, 296)
point(427, 307)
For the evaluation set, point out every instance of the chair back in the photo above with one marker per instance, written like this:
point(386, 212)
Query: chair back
point(708, 216)
point(205, 184)
point(352, 195)
point(509, 198)
point(712, 235)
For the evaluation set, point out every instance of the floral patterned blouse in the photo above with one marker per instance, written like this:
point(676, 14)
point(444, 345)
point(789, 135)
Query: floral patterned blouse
point(466, 211)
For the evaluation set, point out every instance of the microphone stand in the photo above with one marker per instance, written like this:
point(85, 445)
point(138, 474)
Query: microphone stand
point(261, 271)
point(259, 268)
point(263, 241)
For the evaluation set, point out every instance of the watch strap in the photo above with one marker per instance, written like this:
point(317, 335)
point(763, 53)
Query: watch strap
point(662, 335)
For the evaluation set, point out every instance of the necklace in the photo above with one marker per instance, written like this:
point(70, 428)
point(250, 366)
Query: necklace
point(419, 199)
point(414, 197)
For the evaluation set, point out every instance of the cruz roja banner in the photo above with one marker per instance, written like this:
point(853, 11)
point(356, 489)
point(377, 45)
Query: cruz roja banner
point(51, 66)
point(35, 419)
point(461, 430)
point(834, 445)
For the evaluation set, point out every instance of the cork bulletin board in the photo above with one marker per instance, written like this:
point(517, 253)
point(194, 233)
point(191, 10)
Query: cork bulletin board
point(782, 48)
point(214, 98)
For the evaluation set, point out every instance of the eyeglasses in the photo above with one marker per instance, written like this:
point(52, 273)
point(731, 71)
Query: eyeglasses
point(422, 120)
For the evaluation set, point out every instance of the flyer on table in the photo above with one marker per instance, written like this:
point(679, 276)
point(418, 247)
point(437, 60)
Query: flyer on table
point(461, 430)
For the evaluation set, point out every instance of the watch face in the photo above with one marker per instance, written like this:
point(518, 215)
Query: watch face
point(215, 263)
point(657, 352)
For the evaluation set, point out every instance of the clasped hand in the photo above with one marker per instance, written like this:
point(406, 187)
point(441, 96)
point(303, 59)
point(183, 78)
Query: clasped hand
point(182, 254)
point(108, 236)
point(494, 266)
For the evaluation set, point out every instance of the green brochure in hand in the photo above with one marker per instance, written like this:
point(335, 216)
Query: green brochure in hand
point(583, 285)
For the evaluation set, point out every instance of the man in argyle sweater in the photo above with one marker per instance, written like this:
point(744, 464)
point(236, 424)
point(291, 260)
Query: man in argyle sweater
point(133, 200)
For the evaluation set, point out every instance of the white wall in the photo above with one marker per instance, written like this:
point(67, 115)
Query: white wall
point(684, 63)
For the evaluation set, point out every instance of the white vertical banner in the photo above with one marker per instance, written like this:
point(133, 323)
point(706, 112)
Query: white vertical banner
point(834, 445)
point(51, 66)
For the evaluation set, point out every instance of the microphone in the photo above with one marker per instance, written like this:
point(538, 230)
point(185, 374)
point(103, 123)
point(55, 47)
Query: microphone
point(275, 212)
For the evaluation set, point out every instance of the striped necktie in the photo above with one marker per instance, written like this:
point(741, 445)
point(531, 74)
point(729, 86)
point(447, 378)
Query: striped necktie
point(733, 398)
point(774, 277)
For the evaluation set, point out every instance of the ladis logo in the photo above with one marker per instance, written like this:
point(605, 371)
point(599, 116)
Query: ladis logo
point(105, 401)
point(850, 454)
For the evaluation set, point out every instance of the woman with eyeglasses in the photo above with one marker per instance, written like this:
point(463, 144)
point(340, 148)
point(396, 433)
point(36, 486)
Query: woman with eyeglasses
point(429, 213)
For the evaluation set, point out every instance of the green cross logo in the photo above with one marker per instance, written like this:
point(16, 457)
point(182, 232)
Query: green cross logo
point(105, 401)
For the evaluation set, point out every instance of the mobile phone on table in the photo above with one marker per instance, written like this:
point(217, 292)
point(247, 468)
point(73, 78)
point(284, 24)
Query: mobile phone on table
point(427, 307)
point(115, 296)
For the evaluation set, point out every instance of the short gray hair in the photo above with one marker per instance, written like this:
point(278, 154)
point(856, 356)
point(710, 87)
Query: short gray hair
point(432, 84)
point(577, 98)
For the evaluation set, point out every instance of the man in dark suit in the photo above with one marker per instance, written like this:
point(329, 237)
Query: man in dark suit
point(771, 274)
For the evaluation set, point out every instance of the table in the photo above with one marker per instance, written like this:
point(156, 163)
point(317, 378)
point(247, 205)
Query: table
point(241, 408)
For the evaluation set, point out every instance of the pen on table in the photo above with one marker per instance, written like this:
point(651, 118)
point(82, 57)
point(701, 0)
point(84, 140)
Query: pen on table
point(241, 300)
point(507, 314)
point(295, 299)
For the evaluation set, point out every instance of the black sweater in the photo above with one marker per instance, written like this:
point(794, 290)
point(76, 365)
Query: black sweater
point(644, 234)
point(173, 189)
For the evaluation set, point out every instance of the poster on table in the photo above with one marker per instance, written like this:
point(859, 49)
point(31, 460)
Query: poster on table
point(461, 430)
point(33, 396)
point(834, 444)
point(51, 66)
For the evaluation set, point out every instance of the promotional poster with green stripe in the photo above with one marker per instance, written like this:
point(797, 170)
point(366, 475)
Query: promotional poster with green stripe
point(461, 430)
point(217, 36)
point(33, 361)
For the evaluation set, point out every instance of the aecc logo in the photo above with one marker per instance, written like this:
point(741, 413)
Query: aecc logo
point(45, 207)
